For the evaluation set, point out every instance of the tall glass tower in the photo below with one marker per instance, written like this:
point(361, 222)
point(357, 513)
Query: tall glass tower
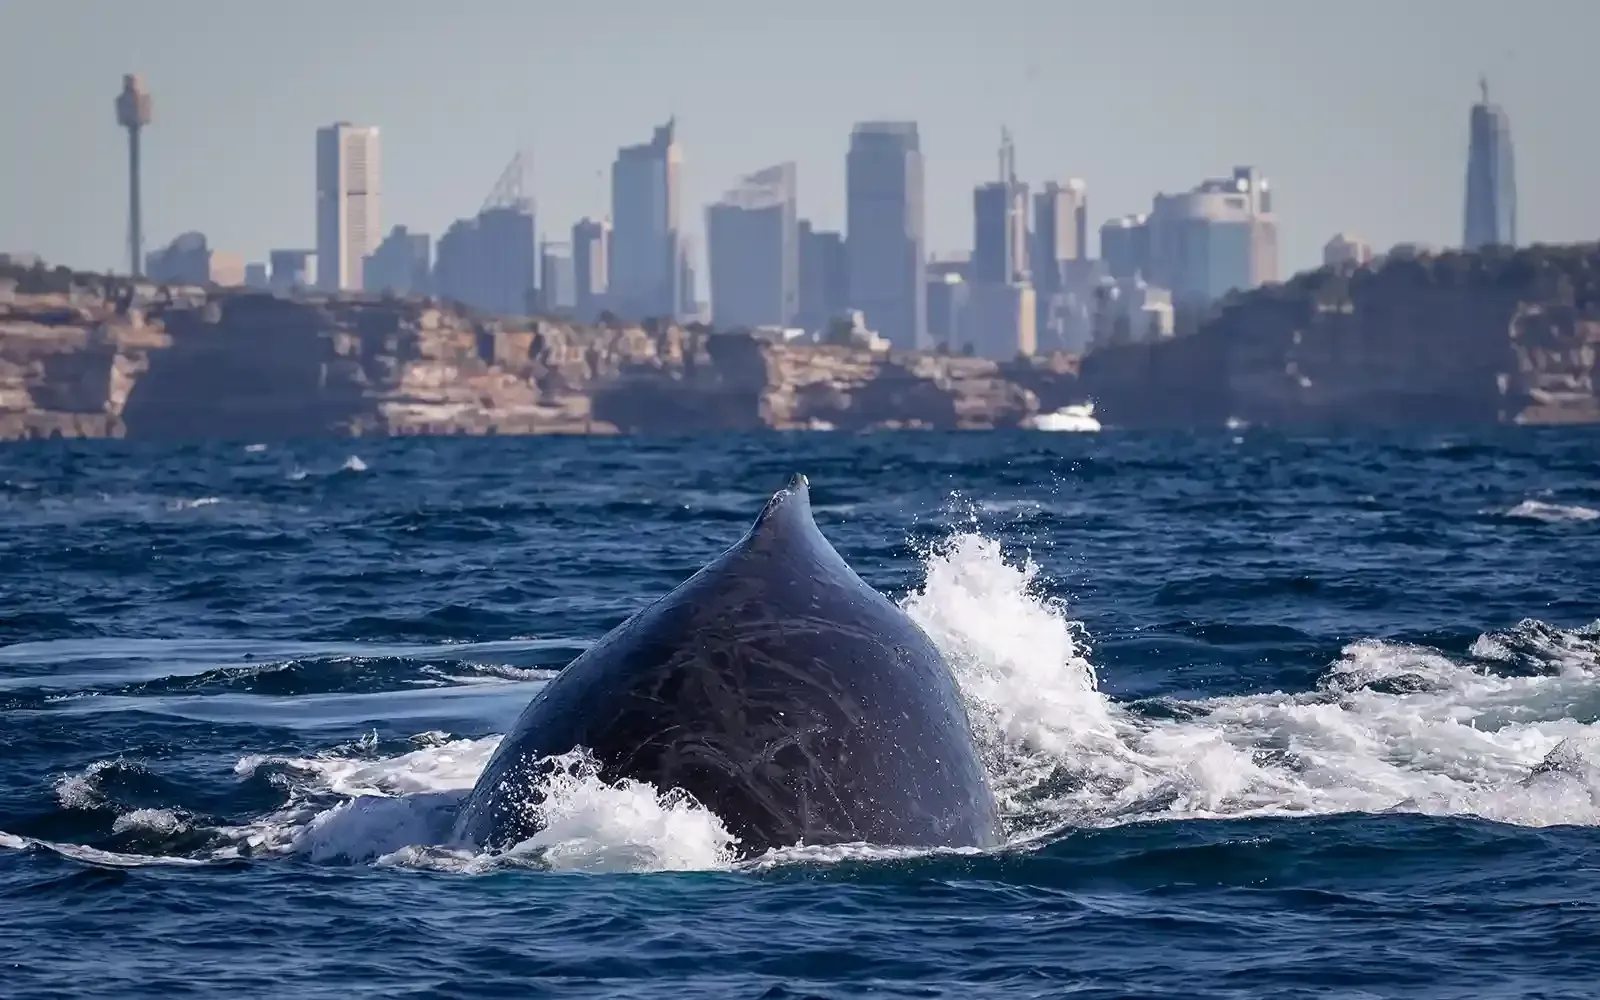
point(1491, 203)
point(884, 245)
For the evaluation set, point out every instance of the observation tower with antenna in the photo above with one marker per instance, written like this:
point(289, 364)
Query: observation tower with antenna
point(133, 114)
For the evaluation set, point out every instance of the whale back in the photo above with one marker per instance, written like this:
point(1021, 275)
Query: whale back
point(776, 687)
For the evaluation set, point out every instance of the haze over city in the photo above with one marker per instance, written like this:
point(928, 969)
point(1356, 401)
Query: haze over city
point(1357, 113)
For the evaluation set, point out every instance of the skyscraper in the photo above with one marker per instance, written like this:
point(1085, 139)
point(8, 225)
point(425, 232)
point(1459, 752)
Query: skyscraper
point(403, 264)
point(824, 277)
point(1001, 307)
point(1346, 251)
point(885, 231)
point(1491, 202)
point(948, 305)
point(491, 262)
point(349, 203)
point(1000, 223)
point(1057, 251)
point(591, 249)
point(1218, 237)
point(558, 292)
point(688, 282)
point(753, 251)
point(645, 256)
point(1125, 246)
point(1060, 227)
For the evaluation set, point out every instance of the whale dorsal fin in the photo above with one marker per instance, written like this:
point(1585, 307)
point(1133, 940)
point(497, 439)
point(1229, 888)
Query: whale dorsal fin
point(789, 509)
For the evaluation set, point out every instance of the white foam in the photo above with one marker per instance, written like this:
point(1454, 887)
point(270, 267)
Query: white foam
point(195, 503)
point(589, 825)
point(163, 822)
point(1551, 513)
point(82, 791)
point(398, 811)
point(93, 855)
point(833, 854)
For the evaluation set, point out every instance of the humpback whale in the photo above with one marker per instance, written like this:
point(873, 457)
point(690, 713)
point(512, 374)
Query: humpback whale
point(778, 689)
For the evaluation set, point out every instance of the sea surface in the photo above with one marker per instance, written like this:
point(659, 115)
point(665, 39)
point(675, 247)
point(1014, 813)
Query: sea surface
point(1268, 716)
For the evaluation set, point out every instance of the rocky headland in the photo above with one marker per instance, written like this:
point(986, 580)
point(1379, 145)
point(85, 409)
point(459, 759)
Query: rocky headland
point(1497, 336)
point(85, 358)
point(1494, 337)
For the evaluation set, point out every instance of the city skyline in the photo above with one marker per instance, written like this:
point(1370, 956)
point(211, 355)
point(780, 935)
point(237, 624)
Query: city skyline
point(1028, 287)
point(1359, 133)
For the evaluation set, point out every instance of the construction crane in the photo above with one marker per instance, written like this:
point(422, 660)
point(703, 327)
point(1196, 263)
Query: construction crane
point(508, 191)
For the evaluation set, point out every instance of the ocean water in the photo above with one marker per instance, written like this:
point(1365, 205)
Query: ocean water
point(1267, 716)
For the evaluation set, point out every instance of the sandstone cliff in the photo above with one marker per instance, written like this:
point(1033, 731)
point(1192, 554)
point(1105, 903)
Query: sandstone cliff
point(1497, 336)
point(162, 363)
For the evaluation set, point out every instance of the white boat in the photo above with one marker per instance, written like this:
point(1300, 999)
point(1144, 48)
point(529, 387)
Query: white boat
point(1078, 417)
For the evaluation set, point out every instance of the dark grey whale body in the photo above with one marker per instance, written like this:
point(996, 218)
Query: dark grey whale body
point(777, 688)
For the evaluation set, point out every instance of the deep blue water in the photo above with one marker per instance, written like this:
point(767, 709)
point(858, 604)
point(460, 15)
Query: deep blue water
point(1269, 715)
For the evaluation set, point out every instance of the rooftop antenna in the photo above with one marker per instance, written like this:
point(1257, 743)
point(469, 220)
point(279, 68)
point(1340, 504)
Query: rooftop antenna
point(1008, 157)
point(1483, 85)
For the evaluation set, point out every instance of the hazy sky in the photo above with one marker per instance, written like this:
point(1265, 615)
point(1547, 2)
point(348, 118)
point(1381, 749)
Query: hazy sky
point(1356, 110)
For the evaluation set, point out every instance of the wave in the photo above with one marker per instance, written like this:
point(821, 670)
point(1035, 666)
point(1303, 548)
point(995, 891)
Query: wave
point(1508, 731)
point(1551, 513)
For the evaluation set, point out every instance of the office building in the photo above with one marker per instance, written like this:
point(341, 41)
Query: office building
point(999, 233)
point(292, 270)
point(1000, 224)
point(1125, 246)
point(885, 231)
point(1491, 197)
point(948, 305)
point(189, 260)
point(558, 286)
point(591, 247)
point(753, 252)
point(1222, 236)
point(690, 308)
point(999, 322)
point(998, 275)
point(1130, 310)
point(349, 203)
point(1060, 231)
point(402, 264)
point(491, 262)
point(1059, 242)
point(646, 263)
point(824, 277)
point(1346, 251)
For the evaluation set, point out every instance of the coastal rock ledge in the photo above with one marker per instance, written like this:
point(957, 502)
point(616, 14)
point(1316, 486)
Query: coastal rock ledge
point(188, 363)
point(1493, 336)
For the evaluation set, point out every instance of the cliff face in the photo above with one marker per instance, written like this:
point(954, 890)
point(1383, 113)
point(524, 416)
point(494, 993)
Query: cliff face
point(65, 371)
point(248, 365)
point(1492, 337)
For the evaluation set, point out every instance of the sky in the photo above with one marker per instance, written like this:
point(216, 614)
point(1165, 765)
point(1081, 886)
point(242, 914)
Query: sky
point(1356, 111)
